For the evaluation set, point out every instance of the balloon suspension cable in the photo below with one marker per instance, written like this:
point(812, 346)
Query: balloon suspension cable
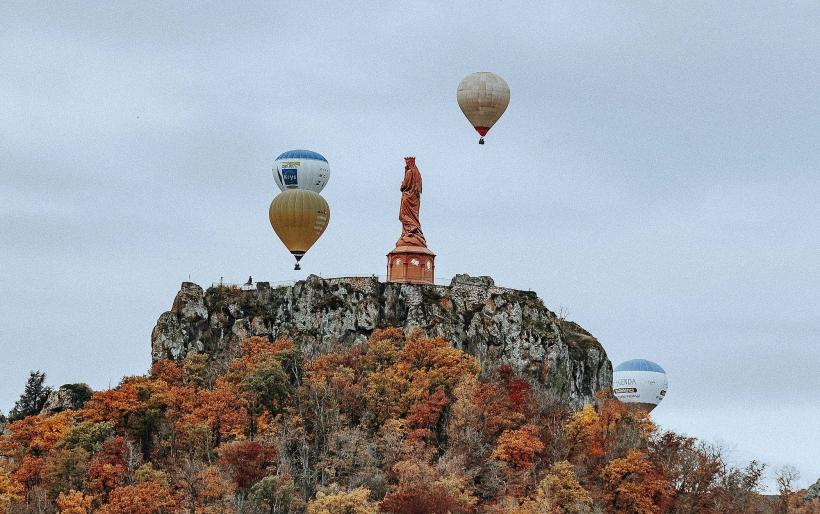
point(481, 141)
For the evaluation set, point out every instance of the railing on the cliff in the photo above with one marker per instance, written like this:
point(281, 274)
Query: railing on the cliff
point(439, 281)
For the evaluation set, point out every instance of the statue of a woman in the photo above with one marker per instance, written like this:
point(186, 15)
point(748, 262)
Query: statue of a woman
point(411, 234)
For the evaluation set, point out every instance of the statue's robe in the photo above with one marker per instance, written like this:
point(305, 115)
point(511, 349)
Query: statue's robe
point(411, 234)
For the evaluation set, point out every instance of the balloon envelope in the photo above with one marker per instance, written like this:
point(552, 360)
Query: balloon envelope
point(483, 98)
point(640, 381)
point(299, 217)
point(301, 169)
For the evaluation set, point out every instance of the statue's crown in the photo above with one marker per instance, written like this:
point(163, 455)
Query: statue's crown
point(410, 160)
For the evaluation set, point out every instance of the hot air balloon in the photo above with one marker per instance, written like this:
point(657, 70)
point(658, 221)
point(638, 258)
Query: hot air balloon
point(483, 98)
point(641, 382)
point(299, 218)
point(301, 169)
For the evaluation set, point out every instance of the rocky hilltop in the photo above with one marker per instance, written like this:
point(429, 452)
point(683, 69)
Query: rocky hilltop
point(496, 325)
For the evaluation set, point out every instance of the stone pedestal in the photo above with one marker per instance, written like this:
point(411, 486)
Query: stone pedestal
point(411, 264)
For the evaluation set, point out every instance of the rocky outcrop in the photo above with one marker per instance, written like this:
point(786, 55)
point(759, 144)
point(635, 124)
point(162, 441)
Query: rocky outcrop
point(69, 396)
point(495, 324)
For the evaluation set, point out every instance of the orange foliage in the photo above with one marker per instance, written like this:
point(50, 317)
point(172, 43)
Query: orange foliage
point(211, 489)
point(593, 434)
point(416, 381)
point(408, 418)
point(145, 498)
point(559, 492)
point(114, 404)
point(30, 440)
point(74, 502)
point(635, 485)
point(519, 447)
point(11, 491)
point(35, 435)
point(169, 372)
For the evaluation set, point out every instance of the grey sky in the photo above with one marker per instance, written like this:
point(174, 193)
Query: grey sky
point(657, 174)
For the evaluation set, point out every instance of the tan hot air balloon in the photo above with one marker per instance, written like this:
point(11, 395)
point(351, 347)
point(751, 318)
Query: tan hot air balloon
point(299, 217)
point(483, 98)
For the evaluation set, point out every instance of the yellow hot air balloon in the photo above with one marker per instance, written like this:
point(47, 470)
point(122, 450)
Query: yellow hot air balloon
point(483, 98)
point(299, 217)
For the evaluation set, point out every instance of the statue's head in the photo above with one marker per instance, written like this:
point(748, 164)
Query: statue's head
point(409, 162)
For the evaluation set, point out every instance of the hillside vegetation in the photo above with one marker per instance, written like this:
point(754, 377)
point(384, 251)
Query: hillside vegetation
point(399, 424)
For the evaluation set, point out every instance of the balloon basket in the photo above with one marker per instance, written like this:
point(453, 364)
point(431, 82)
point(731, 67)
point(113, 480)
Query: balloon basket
point(481, 141)
point(297, 267)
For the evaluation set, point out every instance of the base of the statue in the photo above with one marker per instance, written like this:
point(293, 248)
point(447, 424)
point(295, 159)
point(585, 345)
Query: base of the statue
point(411, 265)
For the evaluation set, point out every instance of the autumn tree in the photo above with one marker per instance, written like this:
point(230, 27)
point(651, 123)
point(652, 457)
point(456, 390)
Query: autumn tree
point(418, 385)
point(737, 488)
point(65, 471)
point(137, 407)
point(352, 458)
point(786, 478)
point(31, 442)
point(74, 502)
point(144, 498)
point(204, 488)
point(700, 478)
point(519, 447)
point(11, 491)
point(422, 489)
point(597, 435)
point(110, 467)
point(333, 500)
point(245, 461)
point(268, 383)
point(691, 468)
point(258, 380)
point(275, 495)
point(558, 493)
point(634, 485)
point(87, 435)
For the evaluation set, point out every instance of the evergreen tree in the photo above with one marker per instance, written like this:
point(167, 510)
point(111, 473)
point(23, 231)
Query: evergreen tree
point(33, 398)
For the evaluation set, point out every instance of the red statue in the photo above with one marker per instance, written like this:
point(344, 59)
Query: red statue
point(411, 261)
point(411, 234)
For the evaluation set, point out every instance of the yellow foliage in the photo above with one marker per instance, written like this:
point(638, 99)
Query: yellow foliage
point(74, 502)
point(148, 473)
point(335, 501)
point(457, 489)
point(592, 433)
point(558, 493)
point(10, 490)
point(581, 430)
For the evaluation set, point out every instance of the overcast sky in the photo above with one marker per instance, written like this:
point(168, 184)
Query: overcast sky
point(657, 175)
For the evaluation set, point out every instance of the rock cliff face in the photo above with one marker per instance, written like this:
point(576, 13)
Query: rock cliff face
point(494, 324)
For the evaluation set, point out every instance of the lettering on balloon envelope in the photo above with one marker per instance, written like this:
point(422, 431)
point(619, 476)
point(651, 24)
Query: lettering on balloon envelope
point(289, 177)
